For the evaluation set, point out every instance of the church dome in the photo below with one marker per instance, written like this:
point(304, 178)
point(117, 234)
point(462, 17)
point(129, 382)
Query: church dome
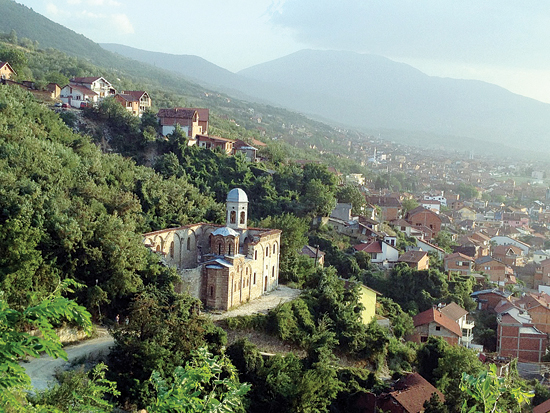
point(226, 231)
point(237, 195)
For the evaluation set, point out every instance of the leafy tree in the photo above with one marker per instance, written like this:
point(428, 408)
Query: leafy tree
point(467, 191)
point(408, 205)
point(350, 194)
point(16, 344)
point(318, 200)
point(207, 383)
point(488, 392)
point(443, 240)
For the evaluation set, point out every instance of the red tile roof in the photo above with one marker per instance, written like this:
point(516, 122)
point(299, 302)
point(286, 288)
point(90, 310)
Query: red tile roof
point(137, 94)
point(544, 407)
point(456, 255)
point(453, 311)
point(372, 247)
point(413, 256)
point(412, 391)
point(179, 113)
point(433, 315)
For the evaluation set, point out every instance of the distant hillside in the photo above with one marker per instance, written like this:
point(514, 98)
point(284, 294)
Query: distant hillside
point(375, 92)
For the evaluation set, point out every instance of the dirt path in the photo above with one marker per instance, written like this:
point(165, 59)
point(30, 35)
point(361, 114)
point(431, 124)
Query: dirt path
point(262, 304)
point(41, 370)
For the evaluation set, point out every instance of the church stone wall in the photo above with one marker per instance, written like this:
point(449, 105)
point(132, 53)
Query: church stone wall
point(190, 281)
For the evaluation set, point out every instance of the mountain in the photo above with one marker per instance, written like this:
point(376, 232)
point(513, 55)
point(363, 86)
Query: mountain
point(369, 91)
point(378, 95)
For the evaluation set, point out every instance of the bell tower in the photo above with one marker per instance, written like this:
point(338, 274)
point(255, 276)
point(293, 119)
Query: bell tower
point(237, 209)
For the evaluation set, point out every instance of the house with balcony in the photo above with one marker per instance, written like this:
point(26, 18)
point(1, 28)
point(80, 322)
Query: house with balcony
point(460, 316)
point(433, 323)
point(135, 101)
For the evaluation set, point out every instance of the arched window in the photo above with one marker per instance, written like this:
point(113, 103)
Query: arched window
point(255, 256)
point(229, 249)
point(267, 251)
point(274, 249)
point(243, 215)
point(188, 244)
point(211, 291)
point(158, 248)
point(254, 279)
point(233, 217)
point(220, 248)
point(273, 272)
point(172, 249)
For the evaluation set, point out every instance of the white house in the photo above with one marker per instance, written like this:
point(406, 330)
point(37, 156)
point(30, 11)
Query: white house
point(77, 96)
point(506, 240)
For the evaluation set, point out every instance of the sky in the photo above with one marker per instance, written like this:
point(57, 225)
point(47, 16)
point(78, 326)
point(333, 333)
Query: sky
point(505, 42)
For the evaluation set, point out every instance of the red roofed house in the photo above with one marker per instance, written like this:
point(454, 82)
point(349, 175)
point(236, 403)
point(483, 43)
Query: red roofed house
point(213, 142)
point(204, 118)
point(390, 206)
point(509, 255)
point(542, 273)
point(96, 83)
point(419, 260)
point(460, 316)
point(6, 71)
point(538, 307)
point(135, 101)
point(497, 271)
point(379, 251)
point(78, 96)
point(408, 396)
point(187, 119)
point(459, 263)
point(433, 322)
point(420, 216)
point(248, 150)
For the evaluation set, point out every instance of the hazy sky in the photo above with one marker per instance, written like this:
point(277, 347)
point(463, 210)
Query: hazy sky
point(505, 42)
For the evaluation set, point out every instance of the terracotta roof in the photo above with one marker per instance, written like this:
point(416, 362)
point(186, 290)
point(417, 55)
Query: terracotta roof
point(213, 138)
point(84, 90)
point(256, 142)
point(412, 391)
point(505, 249)
point(412, 256)
point(179, 113)
point(372, 247)
point(454, 311)
point(457, 255)
point(433, 315)
point(137, 94)
point(204, 113)
point(544, 407)
point(420, 209)
point(128, 97)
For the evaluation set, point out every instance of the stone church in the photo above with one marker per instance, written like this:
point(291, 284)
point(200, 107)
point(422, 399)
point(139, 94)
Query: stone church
point(223, 266)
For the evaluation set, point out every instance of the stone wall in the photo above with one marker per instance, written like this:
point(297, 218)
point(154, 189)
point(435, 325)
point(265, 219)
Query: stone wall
point(190, 281)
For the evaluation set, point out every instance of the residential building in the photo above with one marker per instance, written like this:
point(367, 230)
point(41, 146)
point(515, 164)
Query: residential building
point(314, 253)
point(509, 255)
point(489, 300)
point(224, 266)
point(497, 271)
point(186, 119)
point(6, 71)
point(390, 207)
point(215, 142)
point(380, 252)
point(135, 101)
point(458, 263)
point(418, 260)
point(460, 316)
point(96, 83)
point(433, 323)
point(422, 217)
point(517, 337)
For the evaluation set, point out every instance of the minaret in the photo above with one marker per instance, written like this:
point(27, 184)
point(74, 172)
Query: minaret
point(237, 209)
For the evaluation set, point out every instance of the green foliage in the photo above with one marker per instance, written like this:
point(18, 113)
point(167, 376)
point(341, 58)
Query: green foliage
point(79, 391)
point(164, 329)
point(350, 194)
point(206, 384)
point(42, 316)
point(488, 392)
point(401, 322)
point(293, 238)
point(467, 191)
point(443, 240)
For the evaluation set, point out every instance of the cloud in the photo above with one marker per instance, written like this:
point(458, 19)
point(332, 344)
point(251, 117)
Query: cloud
point(493, 31)
point(122, 24)
point(112, 3)
point(73, 2)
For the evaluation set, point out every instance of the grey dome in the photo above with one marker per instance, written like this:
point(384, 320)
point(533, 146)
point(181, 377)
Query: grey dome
point(225, 231)
point(237, 195)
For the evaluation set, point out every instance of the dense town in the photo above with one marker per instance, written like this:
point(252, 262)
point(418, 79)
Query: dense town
point(462, 213)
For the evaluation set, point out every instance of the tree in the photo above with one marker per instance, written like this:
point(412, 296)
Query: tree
point(16, 344)
point(318, 199)
point(488, 392)
point(350, 194)
point(409, 205)
point(206, 384)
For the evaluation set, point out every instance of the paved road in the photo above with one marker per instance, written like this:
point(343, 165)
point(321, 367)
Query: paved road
point(262, 304)
point(41, 370)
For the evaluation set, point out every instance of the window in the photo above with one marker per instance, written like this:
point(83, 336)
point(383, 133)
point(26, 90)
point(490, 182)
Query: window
point(255, 256)
point(172, 249)
point(423, 339)
point(267, 251)
point(243, 215)
point(273, 272)
point(220, 248)
point(254, 279)
point(233, 217)
point(274, 248)
point(437, 328)
point(211, 291)
point(188, 244)
point(229, 249)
